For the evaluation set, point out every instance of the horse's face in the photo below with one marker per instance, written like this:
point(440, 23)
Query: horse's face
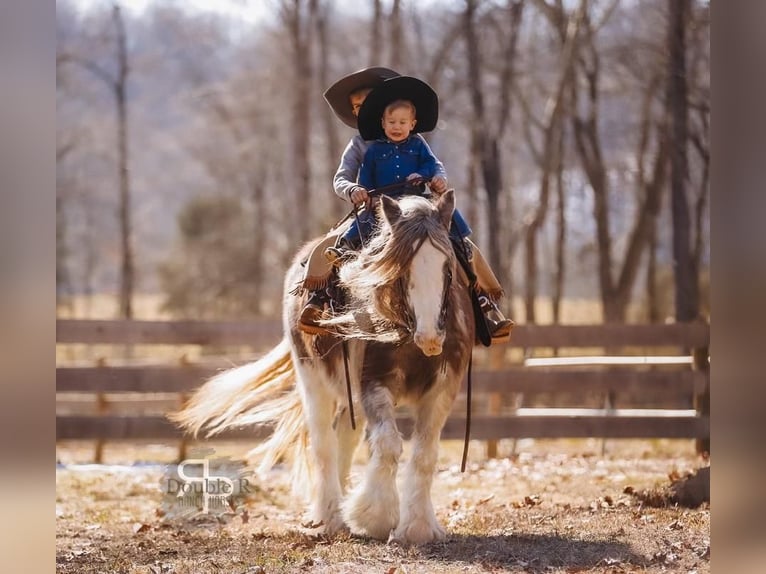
point(429, 279)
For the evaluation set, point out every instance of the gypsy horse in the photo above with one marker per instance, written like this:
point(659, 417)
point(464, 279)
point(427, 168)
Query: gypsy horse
point(408, 330)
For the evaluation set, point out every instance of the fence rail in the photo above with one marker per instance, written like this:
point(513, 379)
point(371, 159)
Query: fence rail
point(179, 379)
point(607, 380)
point(93, 331)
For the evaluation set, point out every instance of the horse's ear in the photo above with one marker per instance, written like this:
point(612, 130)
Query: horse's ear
point(446, 205)
point(390, 210)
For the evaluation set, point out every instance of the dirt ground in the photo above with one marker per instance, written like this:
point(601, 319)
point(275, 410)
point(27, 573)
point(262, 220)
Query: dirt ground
point(555, 506)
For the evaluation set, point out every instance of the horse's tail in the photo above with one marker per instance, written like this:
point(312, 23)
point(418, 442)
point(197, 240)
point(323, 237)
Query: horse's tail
point(261, 393)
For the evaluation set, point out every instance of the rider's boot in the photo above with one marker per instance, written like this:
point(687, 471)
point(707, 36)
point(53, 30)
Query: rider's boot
point(342, 249)
point(315, 309)
point(499, 326)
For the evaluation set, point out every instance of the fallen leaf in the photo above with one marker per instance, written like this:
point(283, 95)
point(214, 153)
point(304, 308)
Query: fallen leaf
point(532, 500)
point(675, 525)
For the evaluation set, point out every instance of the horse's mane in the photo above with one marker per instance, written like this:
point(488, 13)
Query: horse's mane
point(375, 307)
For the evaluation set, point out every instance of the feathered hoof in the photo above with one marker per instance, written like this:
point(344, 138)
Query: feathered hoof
point(330, 527)
point(418, 531)
point(372, 514)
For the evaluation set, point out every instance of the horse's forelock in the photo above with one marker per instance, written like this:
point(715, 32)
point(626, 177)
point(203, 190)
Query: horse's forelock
point(390, 252)
point(373, 278)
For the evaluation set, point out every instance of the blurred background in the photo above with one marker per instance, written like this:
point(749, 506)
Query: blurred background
point(195, 152)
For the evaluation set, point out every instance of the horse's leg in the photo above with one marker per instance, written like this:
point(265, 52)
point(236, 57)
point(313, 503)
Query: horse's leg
point(348, 441)
point(348, 438)
point(372, 508)
point(319, 403)
point(418, 523)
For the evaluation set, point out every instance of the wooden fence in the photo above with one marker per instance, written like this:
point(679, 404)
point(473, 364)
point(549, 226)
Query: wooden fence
point(629, 369)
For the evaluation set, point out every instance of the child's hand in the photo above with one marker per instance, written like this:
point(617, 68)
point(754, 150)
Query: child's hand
point(359, 195)
point(438, 184)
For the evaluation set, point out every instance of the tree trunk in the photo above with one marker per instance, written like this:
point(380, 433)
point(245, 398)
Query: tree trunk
point(259, 240)
point(300, 34)
point(686, 281)
point(376, 31)
point(398, 47)
point(333, 145)
point(652, 299)
point(700, 205)
point(561, 237)
point(531, 246)
point(127, 271)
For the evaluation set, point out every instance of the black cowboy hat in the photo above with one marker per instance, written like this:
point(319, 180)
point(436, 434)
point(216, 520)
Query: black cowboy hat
point(337, 94)
point(398, 88)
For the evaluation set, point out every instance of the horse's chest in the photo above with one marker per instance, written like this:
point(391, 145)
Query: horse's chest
point(405, 370)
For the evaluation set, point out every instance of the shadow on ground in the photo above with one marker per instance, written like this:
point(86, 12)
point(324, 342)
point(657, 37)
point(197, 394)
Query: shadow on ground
point(535, 553)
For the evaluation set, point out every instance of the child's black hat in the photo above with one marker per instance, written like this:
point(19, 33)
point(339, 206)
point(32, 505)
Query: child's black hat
point(423, 97)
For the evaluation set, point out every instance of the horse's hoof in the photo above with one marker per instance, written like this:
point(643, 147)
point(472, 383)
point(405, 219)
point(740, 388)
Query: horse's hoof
point(331, 527)
point(420, 531)
point(370, 515)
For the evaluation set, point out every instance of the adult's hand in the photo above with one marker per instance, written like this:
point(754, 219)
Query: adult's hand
point(359, 195)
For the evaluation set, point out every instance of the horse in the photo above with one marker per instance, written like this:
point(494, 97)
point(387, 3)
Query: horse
point(403, 337)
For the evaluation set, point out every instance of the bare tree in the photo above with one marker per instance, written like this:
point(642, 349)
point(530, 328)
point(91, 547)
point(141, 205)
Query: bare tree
point(585, 118)
point(699, 124)
point(549, 159)
point(686, 286)
point(557, 297)
point(333, 145)
point(397, 41)
point(488, 128)
point(117, 83)
point(376, 33)
point(297, 15)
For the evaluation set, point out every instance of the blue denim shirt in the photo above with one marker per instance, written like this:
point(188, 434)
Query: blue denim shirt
point(345, 178)
point(386, 162)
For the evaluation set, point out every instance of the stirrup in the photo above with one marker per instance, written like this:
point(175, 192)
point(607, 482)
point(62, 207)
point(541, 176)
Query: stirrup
point(337, 253)
point(499, 326)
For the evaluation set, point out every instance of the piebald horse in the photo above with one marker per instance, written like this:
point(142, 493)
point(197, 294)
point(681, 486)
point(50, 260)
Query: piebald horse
point(408, 329)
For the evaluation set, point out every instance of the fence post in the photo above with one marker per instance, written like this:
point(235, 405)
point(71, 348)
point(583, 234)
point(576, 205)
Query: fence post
point(495, 401)
point(182, 398)
point(702, 400)
point(102, 408)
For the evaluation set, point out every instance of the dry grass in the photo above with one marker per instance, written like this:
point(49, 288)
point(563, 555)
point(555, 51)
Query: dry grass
point(557, 507)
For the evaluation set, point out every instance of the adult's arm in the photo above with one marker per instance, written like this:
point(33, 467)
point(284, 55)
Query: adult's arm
point(345, 177)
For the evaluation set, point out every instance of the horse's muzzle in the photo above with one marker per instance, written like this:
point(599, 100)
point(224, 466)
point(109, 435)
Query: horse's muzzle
point(431, 345)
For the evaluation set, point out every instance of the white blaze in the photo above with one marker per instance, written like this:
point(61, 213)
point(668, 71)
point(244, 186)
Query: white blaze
point(425, 293)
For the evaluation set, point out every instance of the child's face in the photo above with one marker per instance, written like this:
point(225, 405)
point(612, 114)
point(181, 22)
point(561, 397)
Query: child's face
point(398, 123)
